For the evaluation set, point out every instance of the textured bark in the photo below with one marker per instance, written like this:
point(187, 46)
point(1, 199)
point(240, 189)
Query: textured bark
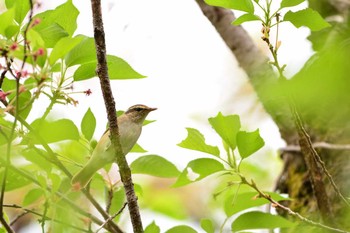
point(294, 179)
point(102, 72)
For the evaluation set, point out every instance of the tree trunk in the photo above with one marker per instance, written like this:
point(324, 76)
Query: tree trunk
point(316, 98)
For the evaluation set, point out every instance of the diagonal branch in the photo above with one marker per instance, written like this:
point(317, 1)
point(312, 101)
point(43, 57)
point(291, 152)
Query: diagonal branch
point(102, 72)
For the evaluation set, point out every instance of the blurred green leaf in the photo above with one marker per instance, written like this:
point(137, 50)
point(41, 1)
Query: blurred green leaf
point(242, 201)
point(227, 127)
point(245, 18)
point(5, 127)
point(7, 20)
point(32, 196)
point(207, 225)
point(54, 131)
point(152, 228)
point(36, 41)
point(14, 180)
point(88, 124)
point(196, 141)
point(154, 165)
point(62, 47)
point(181, 229)
point(118, 201)
point(308, 18)
point(198, 169)
point(249, 142)
point(259, 220)
point(55, 182)
point(36, 156)
point(21, 7)
point(117, 69)
point(290, 3)
point(242, 5)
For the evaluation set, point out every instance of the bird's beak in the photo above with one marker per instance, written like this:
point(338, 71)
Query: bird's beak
point(152, 109)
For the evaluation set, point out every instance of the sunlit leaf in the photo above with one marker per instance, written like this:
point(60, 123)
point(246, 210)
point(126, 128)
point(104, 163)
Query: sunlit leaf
point(245, 18)
point(181, 229)
point(152, 228)
point(51, 34)
point(21, 8)
point(242, 5)
point(62, 47)
point(196, 141)
point(84, 52)
point(137, 149)
point(54, 131)
point(32, 196)
point(64, 15)
point(259, 220)
point(249, 142)
point(308, 18)
point(154, 165)
point(117, 69)
point(207, 225)
point(37, 156)
point(198, 169)
point(88, 124)
point(7, 20)
point(242, 201)
point(227, 127)
point(290, 3)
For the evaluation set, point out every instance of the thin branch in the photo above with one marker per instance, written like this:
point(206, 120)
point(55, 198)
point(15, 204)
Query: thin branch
point(321, 145)
point(112, 217)
point(102, 72)
point(43, 217)
point(288, 210)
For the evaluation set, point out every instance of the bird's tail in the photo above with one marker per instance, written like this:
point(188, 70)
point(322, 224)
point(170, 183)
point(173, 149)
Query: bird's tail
point(82, 178)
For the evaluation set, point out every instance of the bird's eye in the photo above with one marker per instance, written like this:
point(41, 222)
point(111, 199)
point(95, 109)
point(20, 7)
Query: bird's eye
point(138, 109)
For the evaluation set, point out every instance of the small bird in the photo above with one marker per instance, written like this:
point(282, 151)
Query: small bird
point(130, 126)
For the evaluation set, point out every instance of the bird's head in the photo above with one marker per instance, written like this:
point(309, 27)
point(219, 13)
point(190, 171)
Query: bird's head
point(138, 112)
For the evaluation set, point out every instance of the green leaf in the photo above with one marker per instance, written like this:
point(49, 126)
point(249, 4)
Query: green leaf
point(64, 15)
point(82, 53)
point(227, 127)
point(242, 5)
point(51, 34)
point(54, 131)
point(7, 20)
point(152, 228)
point(236, 203)
point(117, 69)
point(14, 180)
point(308, 18)
point(181, 229)
point(198, 169)
point(259, 220)
point(5, 127)
point(290, 3)
point(37, 156)
point(32, 196)
point(154, 165)
point(62, 47)
point(137, 149)
point(22, 8)
point(117, 201)
point(249, 142)
point(88, 124)
point(207, 225)
point(196, 141)
point(245, 18)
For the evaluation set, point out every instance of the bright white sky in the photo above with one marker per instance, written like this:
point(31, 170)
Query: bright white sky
point(191, 73)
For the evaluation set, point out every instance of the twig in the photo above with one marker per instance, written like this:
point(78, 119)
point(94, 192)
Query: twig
point(112, 217)
point(102, 72)
point(316, 156)
point(321, 145)
point(288, 210)
point(29, 211)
